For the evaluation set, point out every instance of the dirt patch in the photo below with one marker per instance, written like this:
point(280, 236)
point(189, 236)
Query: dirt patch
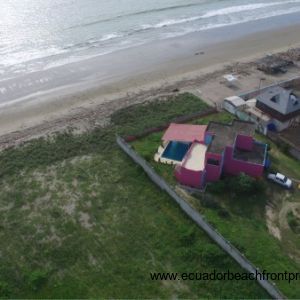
point(292, 136)
point(52, 237)
point(84, 219)
point(271, 219)
point(287, 207)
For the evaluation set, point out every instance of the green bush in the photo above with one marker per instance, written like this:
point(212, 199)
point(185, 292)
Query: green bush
point(223, 213)
point(213, 255)
point(209, 201)
point(37, 279)
point(240, 185)
point(243, 184)
point(293, 222)
point(284, 147)
point(187, 236)
point(5, 291)
point(217, 187)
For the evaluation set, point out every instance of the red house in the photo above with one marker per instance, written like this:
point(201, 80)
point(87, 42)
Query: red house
point(203, 154)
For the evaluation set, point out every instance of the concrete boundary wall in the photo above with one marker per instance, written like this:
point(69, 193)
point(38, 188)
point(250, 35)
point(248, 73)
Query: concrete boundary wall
point(199, 220)
point(279, 140)
point(252, 94)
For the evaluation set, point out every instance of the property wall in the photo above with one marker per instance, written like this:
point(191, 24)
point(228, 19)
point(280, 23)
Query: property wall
point(244, 142)
point(213, 172)
point(282, 125)
point(200, 221)
point(285, 84)
point(235, 167)
point(188, 177)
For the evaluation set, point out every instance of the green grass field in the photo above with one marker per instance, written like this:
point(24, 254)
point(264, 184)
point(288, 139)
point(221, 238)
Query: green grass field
point(249, 220)
point(81, 220)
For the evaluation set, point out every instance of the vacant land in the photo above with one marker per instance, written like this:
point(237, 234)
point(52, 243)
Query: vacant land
point(79, 219)
point(259, 224)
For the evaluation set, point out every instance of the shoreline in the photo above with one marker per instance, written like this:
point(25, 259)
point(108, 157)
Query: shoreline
point(143, 72)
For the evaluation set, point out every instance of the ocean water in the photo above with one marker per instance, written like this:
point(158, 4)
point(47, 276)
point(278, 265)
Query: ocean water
point(41, 34)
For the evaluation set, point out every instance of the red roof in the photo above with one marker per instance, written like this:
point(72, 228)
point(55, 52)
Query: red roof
point(185, 133)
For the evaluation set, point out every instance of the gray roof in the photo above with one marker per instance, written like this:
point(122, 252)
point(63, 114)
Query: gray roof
point(235, 101)
point(225, 134)
point(285, 104)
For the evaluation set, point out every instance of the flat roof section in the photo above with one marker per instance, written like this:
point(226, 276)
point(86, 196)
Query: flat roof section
point(256, 155)
point(235, 100)
point(225, 134)
point(195, 159)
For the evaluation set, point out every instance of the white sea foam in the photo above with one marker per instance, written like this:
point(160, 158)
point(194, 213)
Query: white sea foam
point(110, 36)
point(171, 22)
point(242, 8)
point(98, 28)
point(18, 58)
point(223, 12)
point(236, 22)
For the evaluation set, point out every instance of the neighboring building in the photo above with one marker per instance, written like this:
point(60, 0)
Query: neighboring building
point(274, 109)
point(233, 104)
point(252, 114)
point(281, 104)
point(203, 154)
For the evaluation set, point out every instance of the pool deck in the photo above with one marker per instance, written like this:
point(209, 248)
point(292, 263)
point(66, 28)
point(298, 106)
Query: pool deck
point(195, 159)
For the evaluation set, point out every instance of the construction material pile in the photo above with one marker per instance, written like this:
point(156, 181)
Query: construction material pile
point(273, 64)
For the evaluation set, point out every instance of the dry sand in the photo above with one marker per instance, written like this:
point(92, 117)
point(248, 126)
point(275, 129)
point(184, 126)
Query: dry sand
point(198, 70)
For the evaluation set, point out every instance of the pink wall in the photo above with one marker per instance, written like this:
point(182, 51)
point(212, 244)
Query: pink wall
point(235, 167)
point(213, 172)
point(189, 177)
point(244, 142)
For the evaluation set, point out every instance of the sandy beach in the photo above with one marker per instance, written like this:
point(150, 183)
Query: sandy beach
point(51, 100)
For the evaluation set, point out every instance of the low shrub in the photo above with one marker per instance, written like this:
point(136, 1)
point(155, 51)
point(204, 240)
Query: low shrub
point(244, 185)
point(209, 202)
point(224, 213)
point(293, 222)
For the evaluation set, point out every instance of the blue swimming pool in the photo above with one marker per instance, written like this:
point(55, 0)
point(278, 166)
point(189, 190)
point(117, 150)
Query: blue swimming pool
point(176, 150)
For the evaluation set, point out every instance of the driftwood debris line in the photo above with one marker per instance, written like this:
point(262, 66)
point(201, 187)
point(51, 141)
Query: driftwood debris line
point(200, 221)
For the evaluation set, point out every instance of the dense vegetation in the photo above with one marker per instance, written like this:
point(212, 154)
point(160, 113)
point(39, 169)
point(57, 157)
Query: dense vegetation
point(79, 219)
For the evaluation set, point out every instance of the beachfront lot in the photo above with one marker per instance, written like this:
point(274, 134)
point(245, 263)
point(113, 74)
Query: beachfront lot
point(79, 219)
point(263, 225)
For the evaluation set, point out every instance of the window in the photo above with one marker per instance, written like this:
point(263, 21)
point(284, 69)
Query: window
point(294, 99)
point(213, 161)
point(275, 99)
